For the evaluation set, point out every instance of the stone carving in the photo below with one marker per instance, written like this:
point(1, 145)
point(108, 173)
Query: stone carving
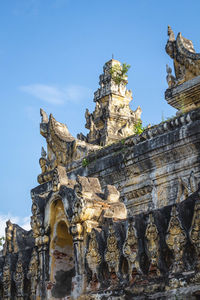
point(112, 118)
point(10, 245)
point(176, 240)
point(130, 251)
point(44, 116)
point(153, 248)
point(112, 254)
point(175, 283)
point(19, 279)
point(9, 236)
point(6, 281)
point(195, 231)
point(186, 187)
point(171, 80)
point(43, 161)
point(59, 178)
point(93, 256)
point(88, 204)
point(68, 209)
point(186, 61)
point(32, 274)
point(41, 240)
point(62, 147)
point(36, 221)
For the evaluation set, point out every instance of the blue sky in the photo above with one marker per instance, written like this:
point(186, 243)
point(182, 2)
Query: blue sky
point(51, 55)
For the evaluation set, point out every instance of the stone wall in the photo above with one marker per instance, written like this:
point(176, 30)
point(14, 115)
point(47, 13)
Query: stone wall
point(157, 168)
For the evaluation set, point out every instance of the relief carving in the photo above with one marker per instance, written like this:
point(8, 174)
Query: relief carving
point(176, 240)
point(36, 221)
point(186, 187)
point(112, 254)
point(130, 251)
point(6, 281)
point(19, 279)
point(33, 273)
point(153, 247)
point(194, 233)
point(41, 240)
point(93, 256)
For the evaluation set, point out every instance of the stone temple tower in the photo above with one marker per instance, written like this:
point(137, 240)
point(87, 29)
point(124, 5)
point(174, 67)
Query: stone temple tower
point(112, 118)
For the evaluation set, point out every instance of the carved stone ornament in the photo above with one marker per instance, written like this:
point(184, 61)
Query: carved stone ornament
point(176, 240)
point(93, 256)
point(6, 281)
point(41, 240)
point(130, 250)
point(194, 233)
point(153, 248)
point(186, 187)
point(186, 60)
point(9, 237)
point(19, 279)
point(112, 254)
point(32, 274)
point(88, 204)
point(62, 147)
point(36, 221)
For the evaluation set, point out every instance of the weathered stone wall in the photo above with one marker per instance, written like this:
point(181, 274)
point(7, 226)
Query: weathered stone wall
point(149, 256)
point(157, 168)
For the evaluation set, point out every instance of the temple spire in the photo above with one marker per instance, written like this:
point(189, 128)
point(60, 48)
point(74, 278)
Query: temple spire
point(112, 118)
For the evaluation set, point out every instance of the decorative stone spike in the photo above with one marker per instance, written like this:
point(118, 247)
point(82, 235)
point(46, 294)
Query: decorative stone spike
point(176, 240)
point(153, 247)
point(130, 251)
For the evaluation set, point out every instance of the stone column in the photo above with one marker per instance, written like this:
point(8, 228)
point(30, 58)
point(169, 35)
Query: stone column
point(78, 243)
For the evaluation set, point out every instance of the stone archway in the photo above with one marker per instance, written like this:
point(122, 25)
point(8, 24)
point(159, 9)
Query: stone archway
point(61, 253)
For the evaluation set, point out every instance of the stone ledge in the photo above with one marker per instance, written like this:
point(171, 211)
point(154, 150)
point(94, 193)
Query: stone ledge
point(185, 96)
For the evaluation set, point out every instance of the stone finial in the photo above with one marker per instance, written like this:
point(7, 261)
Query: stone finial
point(170, 34)
point(112, 118)
point(182, 95)
point(171, 80)
point(43, 153)
point(44, 116)
point(62, 147)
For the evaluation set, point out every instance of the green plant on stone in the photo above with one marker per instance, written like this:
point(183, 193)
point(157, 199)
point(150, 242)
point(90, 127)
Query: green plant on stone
point(85, 162)
point(119, 72)
point(138, 128)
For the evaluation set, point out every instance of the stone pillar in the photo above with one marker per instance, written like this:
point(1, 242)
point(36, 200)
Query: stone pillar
point(78, 243)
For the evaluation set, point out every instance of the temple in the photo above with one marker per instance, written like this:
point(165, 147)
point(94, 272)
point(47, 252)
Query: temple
point(116, 213)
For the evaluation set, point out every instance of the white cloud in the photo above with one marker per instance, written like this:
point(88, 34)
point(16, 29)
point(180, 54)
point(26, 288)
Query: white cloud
point(23, 222)
point(57, 95)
